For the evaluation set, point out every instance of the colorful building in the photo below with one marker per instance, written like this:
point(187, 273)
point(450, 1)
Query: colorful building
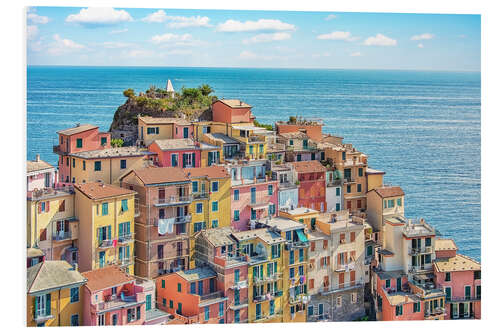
point(313, 128)
point(382, 202)
point(218, 249)
point(40, 174)
point(112, 297)
point(288, 186)
point(107, 165)
point(162, 222)
point(150, 129)
point(52, 224)
point(311, 176)
point(263, 251)
point(460, 278)
point(78, 139)
point(192, 296)
point(211, 202)
point(54, 294)
point(106, 226)
point(34, 256)
point(253, 194)
point(299, 147)
point(185, 153)
point(231, 111)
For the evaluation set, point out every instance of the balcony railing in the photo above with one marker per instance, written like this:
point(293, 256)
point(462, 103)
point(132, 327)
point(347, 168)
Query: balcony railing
point(267, 278)
point(107, 243)
point(178, 219)
point(348, 180)
point(345, 267)
point(116, 301)
point(173, 200)
point(297, 298)
point(436, 312)
point(325, 290)
point(200, 195)
point(214, 295)
point(262, 317)
point(239, 285)
point(463, 299)
point(421, 250)
point(125, 262)
point(61, 235)
point(125, 238)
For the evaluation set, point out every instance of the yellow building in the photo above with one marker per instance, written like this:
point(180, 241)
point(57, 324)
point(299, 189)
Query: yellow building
point(374, 179)
point(54, 295)
point(263, 249)
point(107, 165)
point(159, 128)
point(307, 216)
point(106, 213)
point(51, 223)
point(211, 201)
point(295, 267)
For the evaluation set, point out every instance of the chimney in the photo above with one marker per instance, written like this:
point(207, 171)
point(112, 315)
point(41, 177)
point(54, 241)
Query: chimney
point(37, 158)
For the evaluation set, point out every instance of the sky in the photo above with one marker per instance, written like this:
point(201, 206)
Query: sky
point(276, 39)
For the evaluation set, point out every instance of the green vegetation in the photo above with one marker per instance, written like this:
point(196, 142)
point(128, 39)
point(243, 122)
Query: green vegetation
point(116, 143)
point(129, 93)
point(292, 120)
point(266, 126)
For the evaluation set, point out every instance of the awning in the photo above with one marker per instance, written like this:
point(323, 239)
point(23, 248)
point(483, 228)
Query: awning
point(301, 235)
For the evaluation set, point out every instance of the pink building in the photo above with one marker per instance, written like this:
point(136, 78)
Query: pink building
point(217, 248)
point(460, 277)
point(253, 195)
point(78, 139)
point(231, 111)
point(40, 174)
point(112, 297)
point(184, 153)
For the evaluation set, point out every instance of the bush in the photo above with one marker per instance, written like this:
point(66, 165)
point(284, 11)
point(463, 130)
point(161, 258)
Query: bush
point(129, 93)
point(116, 143)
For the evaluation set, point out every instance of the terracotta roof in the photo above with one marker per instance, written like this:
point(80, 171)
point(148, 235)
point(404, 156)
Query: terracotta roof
point(96, 190)
point(443, 244)
point(106, 277)
point(174, 144)
point(215, 171)
point(161, 120)
point(32, 166)
point(308, 166)
point(389, 191)
point(456, 263)
point(54, 274)
point(234, 103)
point(77, 129)
point(153, 175)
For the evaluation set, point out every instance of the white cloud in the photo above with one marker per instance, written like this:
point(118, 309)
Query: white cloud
point(34, 18)
point(380, 40)
point(356, 54)
point(62, 46)
point(259, 25)
point(98, 16)
point(31, 32)
point(264, 38)
point(156, 17)
point(338, 35)
point(422, 36)
point(171, 38)
point(177, 21)
point(420, 45)
point(331, 17)
point(113, 32)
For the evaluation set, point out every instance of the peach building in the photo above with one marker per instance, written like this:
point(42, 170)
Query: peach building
point(162, 224)
point(40, 174)
point(112, 297)
point(82, 137)
point(185, 153)
point(232, 111)
point(313, 128)
point(192, 296)
point(159, 128)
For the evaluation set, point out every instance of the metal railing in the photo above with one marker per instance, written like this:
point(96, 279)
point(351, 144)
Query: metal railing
point(178, 219)
point(106, 243)
point(200, 195)
point(267, 278)
point(61, 235)
point(239, 285)
point(345, 267)
point(424, 249)
point(341, 286)
point(214, 295)
point(173, 200)
point(125, 238)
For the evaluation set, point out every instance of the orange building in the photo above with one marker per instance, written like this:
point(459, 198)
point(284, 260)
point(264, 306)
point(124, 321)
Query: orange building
point(312, 128)
point(312, 184)
point(192, 296)
point(231, 111)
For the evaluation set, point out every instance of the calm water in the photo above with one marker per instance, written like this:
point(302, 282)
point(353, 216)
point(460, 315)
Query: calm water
point(422, 128)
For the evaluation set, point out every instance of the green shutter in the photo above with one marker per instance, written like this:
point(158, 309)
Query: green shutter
point(48, 305)
point(109, 232)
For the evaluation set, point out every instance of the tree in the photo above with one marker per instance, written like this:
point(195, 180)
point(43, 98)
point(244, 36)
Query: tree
point(129, 93)
point(292, 120)
point(205, 89)
point(116, 143)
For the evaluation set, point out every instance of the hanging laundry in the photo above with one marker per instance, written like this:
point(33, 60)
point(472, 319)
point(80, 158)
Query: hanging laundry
point(170, 225)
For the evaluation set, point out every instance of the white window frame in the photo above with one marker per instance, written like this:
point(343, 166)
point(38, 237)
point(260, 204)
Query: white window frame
point(101, 320)
point(177, 158)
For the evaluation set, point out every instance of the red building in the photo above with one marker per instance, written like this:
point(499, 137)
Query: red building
point(185, 153)
point(460, 277)
point(78, 139)
point(313, 129)
point(231, 111)
point(311, 176)
point(192, 296)
point(112, 297)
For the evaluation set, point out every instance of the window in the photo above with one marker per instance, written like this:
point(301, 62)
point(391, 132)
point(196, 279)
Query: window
point(360, 172)
point(270, 189)
point(390, 203)
point(164, 302)
point(171, 304)
point(338, 301)
point(292, 272)
point(104, 209)
point(399, 202)
point(192, 288)
point(79, 143)
point(199, 208)
point(348, 188)
point(123, 164)
point(292, 257)
point(399, 310)
point(97, 166)
point(353, 236)
point(199, 226)
point(62, 206)
point(195, 187)
point(337, 191)
point(74, 320)
point(75, 294)
point(359, 187)
point(467, 292)
point(290, 143)
point(124, 205)
point(447, 291)
point(388, 283)
point(271, 209)
point(104, 141)
point(215, 206)
point(221, 309)
point(447, 276)
point(343, 155)
point(148, 302)
point(354, 298)
point(207, 312)
point(427, 258)
point(236, 215)
point(337, 206)
point(42, 305)
point(301, 270)
point(288, 235)
point(179, 287)
point(138, 312)
point(84, 165)
point(215, 186)
point(174, 158)
point(275, 251)
point(163, 284)
point(236, 195)
point(73, 162)
point(215, 223)
point(477, 275)
point(101, 320)
point(478, 292)
point(325, 244)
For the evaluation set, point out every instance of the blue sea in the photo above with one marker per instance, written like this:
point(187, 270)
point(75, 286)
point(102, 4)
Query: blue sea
point(422, 128)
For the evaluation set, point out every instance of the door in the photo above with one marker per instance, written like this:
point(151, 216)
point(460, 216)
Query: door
point(237, 316)
point(236, 297)
point(212, 285)
point(320, 310)
point(341, 280)
point(398, 284)
point(236, 275)
point(461, 310)
point(102, 256)
point(115, 319)
point(253, 193)
point(257, 311)
point(161, 194)
point(148, 302)
point(200, 288)
point(186, 132)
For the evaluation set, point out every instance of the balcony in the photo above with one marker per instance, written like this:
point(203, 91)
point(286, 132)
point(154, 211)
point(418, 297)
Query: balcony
point(349, 180)
point(106, 244)
point(124, 239)
point(41, 316)
point(240, 305)
point(345, 267)
point(118, 301)
point(239, 285)
point(62, 235)
point(125, 262)
point(336, 182)
point(177, 219)
point(421, 250)
point(261, 318)
point(301, 298)
point(436, 312)
point(326, 290)
point(212, 298)
point(200, 195)
point(463, 299)
point(173, 200)
point(268, 278)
